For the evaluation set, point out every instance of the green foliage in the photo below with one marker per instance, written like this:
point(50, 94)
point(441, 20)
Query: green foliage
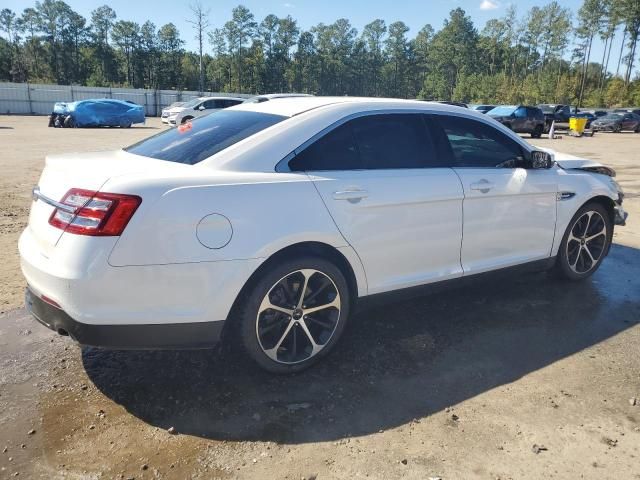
point(537, 57)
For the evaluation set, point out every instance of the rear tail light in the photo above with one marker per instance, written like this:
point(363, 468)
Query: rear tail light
point(96, 213)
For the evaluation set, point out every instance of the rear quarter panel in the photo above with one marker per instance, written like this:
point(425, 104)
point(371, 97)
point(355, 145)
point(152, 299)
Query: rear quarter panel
point(267, 212)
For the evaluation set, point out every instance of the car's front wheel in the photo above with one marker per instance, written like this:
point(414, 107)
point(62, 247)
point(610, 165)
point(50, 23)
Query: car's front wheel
point(294, 314)
point(585, 243)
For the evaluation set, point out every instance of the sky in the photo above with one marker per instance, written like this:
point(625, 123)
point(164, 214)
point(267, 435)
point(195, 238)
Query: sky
point(415, 13)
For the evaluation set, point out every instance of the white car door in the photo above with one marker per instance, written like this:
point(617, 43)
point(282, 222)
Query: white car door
point(402, 218)
point(509, 211)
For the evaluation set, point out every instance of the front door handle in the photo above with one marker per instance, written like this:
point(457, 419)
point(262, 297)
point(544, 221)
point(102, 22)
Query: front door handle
point(352, 195)
point(483, 186)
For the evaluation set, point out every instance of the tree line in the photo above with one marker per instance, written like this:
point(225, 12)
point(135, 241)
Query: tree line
point(544, 55)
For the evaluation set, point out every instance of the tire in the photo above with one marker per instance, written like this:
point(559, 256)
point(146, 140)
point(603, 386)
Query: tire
point(126, 125)
point(278, 340)
point(637, 130)
point(579, 257)
point(69, 122)
point(52, 120)
point(617, 129)
point(537, 132)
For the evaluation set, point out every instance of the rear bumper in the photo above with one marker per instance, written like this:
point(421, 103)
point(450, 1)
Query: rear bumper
point(166, 336)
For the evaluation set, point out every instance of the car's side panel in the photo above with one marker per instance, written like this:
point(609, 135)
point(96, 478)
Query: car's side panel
point(509, 216)
point(266, 213)
point(406, 228)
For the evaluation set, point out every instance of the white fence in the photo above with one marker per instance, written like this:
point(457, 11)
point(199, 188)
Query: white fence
point(38, 99)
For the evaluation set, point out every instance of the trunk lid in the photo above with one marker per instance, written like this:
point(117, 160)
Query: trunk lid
point(89, 171)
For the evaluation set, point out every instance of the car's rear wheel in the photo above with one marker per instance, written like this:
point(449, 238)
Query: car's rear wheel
point(617, 128)
point(294, 314)
point(585, 243)
point(537, 132)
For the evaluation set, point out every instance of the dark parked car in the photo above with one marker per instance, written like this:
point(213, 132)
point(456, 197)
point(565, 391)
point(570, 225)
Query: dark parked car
point(482, 108)
point(627, 110)
point(557, 113)
point(588, 115)
point(596, 113)
point(102, 112)
point(520, 118)
point(617, 122)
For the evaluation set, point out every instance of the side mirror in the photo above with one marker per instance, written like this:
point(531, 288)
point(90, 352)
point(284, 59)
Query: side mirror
point(201, 107)
point(541, 160)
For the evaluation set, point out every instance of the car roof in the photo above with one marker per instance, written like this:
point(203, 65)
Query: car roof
point(270, 96)
point(221, 97)
point(292, 106)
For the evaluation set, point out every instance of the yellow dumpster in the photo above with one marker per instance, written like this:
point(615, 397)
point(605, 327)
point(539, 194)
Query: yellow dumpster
point(577, 125)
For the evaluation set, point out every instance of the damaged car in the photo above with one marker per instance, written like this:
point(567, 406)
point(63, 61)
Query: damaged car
point(265, 225)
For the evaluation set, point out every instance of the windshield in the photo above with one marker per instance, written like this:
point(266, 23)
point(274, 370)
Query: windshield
point(197, 140)
point(502, 111)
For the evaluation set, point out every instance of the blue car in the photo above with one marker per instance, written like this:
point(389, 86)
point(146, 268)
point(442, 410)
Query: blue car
point(102, 112)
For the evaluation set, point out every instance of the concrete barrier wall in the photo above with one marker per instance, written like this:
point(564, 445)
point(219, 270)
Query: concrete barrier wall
point(38, 99)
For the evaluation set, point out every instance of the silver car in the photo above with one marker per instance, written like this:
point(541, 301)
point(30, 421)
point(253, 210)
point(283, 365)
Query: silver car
point(199, 106)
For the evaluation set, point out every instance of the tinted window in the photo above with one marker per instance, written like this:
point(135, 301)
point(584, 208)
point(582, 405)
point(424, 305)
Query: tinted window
point(371, 142)
point(521, 112)
point(392, 141)
point(476, 144)
point(194, 141)
point(334, 151)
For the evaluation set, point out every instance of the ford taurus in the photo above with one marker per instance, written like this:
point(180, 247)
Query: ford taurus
point(265, 223)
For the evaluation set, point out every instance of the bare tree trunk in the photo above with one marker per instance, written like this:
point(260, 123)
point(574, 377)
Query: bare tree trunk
point(200, 23)
point(584, 71)
point(624, 37)
point(632, 55)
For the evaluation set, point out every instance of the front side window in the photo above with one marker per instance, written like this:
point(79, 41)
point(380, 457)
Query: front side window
point(521, 112)
point(372, 142)
point(476, 144)
point(197, 140)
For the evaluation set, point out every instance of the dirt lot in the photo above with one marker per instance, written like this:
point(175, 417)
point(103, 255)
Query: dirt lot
point(527, 378)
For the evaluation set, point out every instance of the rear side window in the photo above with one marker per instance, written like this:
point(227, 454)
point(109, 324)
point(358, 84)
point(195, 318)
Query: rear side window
point(195, 141)
point(336, 150)
point(476, 144)
point(372, 142)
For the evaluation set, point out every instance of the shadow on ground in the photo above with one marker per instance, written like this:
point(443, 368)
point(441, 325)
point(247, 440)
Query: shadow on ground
point(395, 363)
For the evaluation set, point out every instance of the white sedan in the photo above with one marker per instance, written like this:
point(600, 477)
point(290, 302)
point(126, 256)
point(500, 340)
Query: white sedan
point(265, 223)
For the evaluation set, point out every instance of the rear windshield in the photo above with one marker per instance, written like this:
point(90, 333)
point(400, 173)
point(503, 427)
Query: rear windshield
point(197, 140)
point(547, 108)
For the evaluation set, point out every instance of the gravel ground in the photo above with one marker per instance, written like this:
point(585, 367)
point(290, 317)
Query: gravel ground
point(527, 378)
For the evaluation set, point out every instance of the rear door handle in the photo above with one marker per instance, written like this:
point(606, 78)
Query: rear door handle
point(483, 186)
point(352, 195)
